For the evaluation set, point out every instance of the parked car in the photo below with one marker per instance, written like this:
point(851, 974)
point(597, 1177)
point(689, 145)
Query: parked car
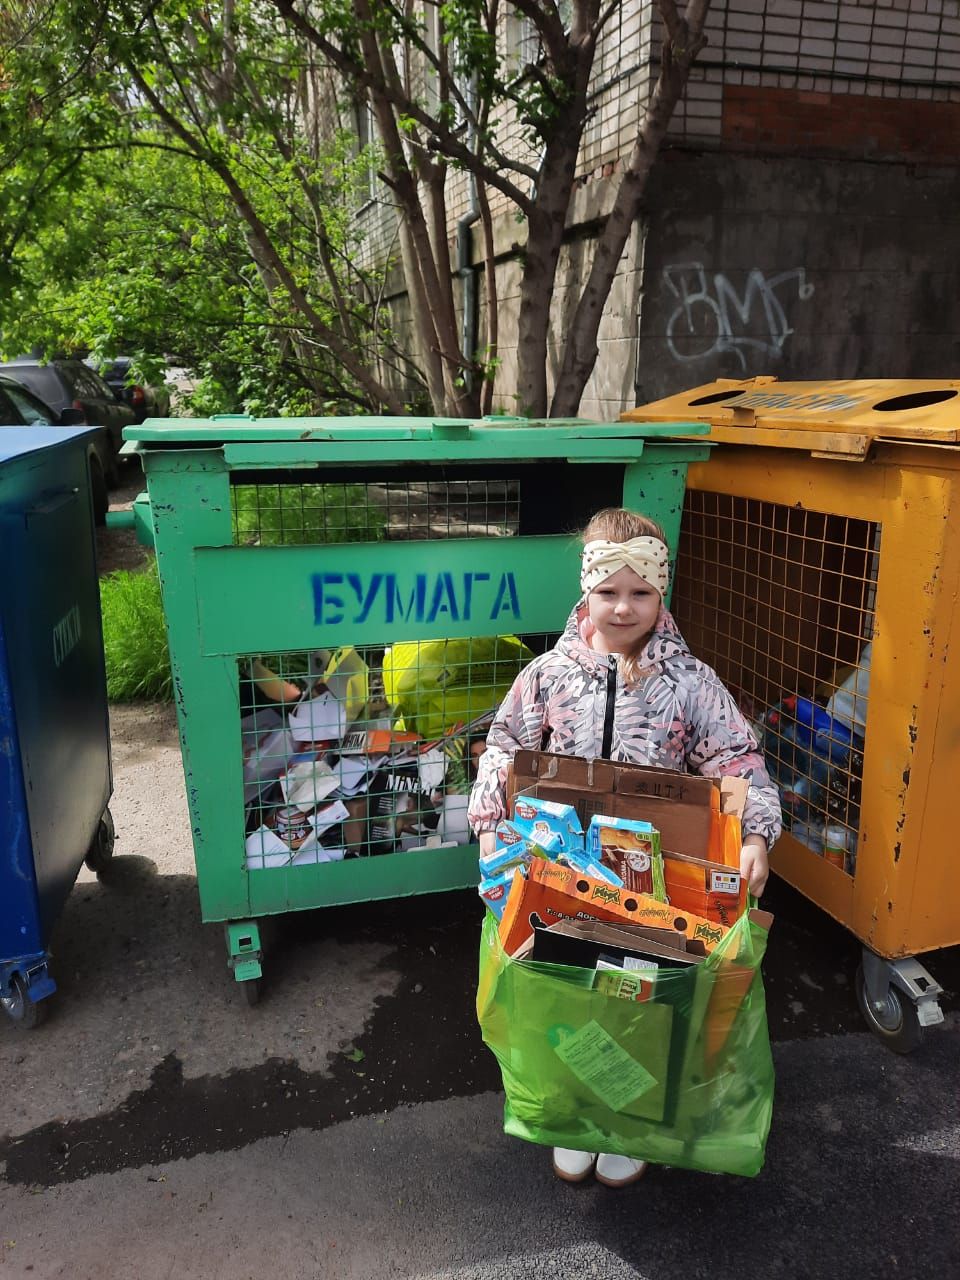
point(145, 400)
point(70, 384)
point(21, 408)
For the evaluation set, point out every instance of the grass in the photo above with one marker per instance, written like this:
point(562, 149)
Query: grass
point(134, 636)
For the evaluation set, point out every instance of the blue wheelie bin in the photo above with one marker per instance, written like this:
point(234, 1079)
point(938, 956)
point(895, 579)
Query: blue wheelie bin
point(55, 775)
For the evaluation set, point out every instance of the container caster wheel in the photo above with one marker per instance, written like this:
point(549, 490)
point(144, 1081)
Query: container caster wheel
point(100, 854)
point(20, 1009)
point(894, 1020)
point(252, 990)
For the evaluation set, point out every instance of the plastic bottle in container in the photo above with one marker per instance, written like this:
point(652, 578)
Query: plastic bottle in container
point(785, 757)
point(836, 842)
point(849, 704)
point(807, 834)
point(828, 737)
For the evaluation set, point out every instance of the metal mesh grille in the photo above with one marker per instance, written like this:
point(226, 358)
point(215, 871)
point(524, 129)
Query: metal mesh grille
point(368, 750)
point(781, 602)
point(285, 514)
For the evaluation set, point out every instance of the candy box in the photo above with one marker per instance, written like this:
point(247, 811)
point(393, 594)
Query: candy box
point(495, 890)
point(520, 854)
point(631, 849)
point(509, 833)
point(711, 889)
point(538, 819)
point(581, 861)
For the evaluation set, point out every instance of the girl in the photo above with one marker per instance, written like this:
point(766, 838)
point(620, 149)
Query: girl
point(621, 684)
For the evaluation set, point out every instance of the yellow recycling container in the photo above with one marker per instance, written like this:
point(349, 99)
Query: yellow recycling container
point(819, 572)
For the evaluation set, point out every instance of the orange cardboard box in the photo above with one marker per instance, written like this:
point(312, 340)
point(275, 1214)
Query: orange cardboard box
point(556, 892)
point(711, 889)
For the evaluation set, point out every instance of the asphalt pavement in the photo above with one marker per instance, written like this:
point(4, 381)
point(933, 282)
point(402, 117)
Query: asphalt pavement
point(350, 1125)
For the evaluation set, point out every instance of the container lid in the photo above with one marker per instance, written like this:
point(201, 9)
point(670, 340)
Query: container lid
point(841, 418)
point(226, 428)
point(16, 442)
point(268, 443)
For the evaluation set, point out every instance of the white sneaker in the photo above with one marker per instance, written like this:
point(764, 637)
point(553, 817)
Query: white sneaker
point(573, 1166)
point(619, 1171)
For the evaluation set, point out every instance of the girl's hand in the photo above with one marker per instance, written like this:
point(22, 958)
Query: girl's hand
point(488, 842)
point(754, 866)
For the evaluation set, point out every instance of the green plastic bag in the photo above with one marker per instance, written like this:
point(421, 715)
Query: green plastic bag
point(684, 1078)
point(436, 685)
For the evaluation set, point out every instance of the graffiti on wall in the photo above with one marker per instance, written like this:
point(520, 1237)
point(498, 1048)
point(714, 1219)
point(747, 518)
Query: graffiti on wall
point(712, 315)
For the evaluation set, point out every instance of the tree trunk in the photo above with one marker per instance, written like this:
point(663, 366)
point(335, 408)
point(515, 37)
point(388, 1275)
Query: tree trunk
point(581, 349)
point(540, 258)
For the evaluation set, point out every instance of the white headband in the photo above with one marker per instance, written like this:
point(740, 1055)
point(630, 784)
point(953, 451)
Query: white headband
point(647, 557)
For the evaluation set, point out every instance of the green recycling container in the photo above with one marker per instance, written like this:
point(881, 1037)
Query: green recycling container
point(347, 600)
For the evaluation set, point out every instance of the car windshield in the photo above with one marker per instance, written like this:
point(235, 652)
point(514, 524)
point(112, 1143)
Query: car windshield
point(85, 382)
point(40, 378)
point(33, 411)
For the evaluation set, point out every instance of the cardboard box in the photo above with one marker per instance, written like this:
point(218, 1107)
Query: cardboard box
point(732, 983)
point(631, 849)
point(554, 892)
point(708, 888)
point(696, 816)
point(619, 933)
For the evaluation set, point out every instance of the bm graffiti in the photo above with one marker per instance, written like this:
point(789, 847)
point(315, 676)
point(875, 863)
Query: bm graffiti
point(712, 316)
point(420, 597)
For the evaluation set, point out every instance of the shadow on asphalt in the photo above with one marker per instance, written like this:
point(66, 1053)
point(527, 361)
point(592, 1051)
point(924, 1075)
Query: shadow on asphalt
point(137, 936)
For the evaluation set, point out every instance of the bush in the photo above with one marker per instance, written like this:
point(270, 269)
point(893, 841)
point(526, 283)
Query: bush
point(134, 636)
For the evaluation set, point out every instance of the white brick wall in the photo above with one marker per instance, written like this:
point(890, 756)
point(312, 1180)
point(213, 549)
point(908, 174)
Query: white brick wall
point(888, 48)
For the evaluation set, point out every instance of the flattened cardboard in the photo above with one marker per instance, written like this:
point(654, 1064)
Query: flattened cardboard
point(729, 990)
point(622, 934)
point(575, 942)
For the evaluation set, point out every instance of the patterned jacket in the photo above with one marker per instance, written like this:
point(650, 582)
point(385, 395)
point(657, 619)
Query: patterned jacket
point(677, 715)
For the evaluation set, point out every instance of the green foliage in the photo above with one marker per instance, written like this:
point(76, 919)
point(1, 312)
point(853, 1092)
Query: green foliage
point(160, 194)
point(288, 515)
point(134, 636)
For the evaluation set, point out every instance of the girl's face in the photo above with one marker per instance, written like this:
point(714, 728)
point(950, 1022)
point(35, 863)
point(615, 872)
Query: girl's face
point(623, 609)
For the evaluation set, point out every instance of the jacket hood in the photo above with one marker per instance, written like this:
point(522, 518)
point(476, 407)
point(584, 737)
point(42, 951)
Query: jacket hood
point(665, 644)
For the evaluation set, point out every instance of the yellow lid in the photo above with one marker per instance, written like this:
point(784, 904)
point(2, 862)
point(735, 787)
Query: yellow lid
point(833, 418)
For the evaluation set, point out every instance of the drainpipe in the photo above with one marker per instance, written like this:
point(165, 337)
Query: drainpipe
point(465, 268)
point(642, 230)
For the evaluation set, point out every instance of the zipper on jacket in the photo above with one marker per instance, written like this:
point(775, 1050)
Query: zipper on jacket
point(609, 708)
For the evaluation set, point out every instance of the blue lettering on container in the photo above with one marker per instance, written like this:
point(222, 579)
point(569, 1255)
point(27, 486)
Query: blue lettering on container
point(421, 597)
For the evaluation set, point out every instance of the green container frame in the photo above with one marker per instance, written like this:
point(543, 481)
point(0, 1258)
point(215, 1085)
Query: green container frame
point(523, 584)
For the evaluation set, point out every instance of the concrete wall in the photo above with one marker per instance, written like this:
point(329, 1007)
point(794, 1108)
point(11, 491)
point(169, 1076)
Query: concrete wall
point(752, 264)
point(799, 268)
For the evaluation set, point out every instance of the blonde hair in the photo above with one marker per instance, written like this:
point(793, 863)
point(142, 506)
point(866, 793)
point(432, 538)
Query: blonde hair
point(619, 525)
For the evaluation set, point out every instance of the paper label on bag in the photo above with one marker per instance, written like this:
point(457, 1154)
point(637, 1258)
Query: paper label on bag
point(724, 882)
point(604, 1066)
